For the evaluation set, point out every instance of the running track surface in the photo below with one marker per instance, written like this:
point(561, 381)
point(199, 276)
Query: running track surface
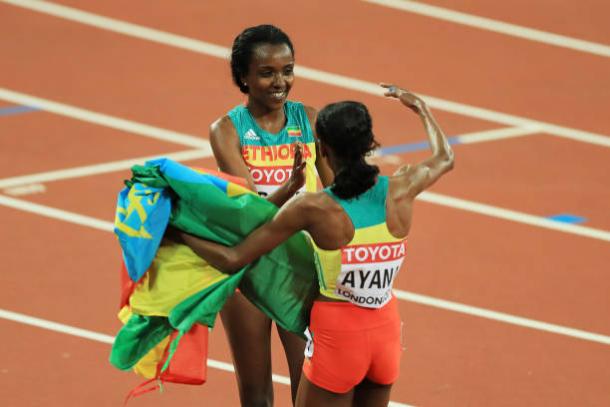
point(499, 309)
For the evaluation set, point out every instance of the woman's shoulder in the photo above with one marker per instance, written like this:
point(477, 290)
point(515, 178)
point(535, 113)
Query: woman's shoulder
point(222, 127)
point(315, 202)
point(298, 105)
point(312, 113)
point(328, 223)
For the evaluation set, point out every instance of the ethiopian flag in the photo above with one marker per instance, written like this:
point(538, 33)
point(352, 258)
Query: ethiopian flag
point(170, 296)
point(294, 131)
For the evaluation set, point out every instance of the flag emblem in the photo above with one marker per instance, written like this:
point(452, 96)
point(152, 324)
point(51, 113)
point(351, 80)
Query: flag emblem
point(294, 131)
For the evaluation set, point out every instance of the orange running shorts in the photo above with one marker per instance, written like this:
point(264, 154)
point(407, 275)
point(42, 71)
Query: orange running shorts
point(347, 343)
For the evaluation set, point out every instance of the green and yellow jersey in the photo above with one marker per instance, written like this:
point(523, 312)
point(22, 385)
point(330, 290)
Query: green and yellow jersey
point(364, 270)
point(269, 157)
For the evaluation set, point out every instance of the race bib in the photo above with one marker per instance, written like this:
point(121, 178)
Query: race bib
point(368, 272)
point(268, 179)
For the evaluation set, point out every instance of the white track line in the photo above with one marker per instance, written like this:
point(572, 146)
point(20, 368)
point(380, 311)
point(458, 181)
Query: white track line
point(103, 338)
point(513, 216)
point(516, 121)
point(430, 197)
point(501, 317)
point(94, 336)
point(55, 326)
point(328, 78)
point(28, 189)
point(95, 169)
point(403, 295)
point(105, 120)
point(122, 27)
point(167, 135)
point(87, 170)
point(493, 135)
point(456, 108)
point(107, 339)
point(55, 213)
point(489, 24)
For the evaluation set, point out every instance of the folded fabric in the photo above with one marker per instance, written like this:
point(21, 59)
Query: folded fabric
point(168, 290)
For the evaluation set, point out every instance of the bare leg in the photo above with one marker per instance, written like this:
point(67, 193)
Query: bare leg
point(293, 348)
point(310, 395)
point(369, 394)
point(249, 334)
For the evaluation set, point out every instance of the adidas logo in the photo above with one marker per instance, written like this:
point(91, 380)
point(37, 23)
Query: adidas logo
point(251, 135)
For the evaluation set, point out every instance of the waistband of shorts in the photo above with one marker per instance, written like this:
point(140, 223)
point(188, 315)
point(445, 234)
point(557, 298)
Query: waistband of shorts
point(345, 316)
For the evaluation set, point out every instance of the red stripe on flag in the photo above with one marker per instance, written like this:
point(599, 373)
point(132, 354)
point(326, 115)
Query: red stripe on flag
point(127, 286)
point(189, 363)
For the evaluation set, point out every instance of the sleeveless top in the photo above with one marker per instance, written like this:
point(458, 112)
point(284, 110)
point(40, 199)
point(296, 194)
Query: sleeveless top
point(364, 270)
point(269, 157)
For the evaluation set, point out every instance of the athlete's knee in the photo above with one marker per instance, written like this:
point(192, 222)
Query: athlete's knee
point(256, 397)
point(257, 402)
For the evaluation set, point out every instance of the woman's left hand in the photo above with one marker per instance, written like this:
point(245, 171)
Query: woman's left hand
point(297, 177)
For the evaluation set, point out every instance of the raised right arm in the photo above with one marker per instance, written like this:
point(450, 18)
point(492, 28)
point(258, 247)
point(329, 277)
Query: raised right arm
point(419, 177)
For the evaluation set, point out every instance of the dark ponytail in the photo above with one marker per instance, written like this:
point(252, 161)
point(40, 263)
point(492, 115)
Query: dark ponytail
point(347, 128)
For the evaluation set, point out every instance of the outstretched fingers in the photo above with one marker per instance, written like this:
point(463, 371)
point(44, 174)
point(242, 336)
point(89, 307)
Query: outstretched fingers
point(297, 178)
point(392, 90)
point(409, 99)
point(298, 155)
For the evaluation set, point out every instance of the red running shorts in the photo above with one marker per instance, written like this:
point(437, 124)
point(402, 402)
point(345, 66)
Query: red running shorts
point(347, 343)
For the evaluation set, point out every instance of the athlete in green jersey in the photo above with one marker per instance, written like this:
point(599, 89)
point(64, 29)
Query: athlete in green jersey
point(359, 228)
point(257, 141)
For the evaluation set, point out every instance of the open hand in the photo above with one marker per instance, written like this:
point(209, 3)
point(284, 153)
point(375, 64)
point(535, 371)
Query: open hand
point(409, 99)
point(297, 177)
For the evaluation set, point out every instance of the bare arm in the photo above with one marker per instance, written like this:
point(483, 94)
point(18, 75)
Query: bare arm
point(227, 151)
point(326, 174)
point(422, 175)
point(290, 219)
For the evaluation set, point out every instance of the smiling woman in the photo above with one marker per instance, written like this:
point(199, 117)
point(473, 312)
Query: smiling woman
point(258, 141)
point(358, 229)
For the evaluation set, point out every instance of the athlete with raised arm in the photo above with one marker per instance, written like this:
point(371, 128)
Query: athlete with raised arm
point(359, 227)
